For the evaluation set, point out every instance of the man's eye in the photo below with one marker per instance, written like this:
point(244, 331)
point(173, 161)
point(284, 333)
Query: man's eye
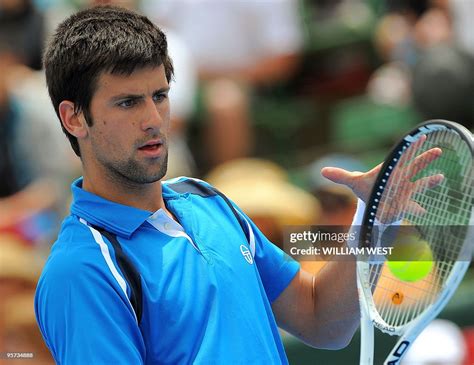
point(159, 97)
point(127, 103)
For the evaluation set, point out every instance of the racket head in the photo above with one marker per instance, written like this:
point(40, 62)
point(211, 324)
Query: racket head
point(394, 304)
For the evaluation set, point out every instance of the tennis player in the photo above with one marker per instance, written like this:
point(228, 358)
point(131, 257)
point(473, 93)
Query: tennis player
point(146, 271)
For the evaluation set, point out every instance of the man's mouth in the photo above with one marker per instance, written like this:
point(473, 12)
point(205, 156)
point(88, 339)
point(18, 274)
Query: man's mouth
point(152, 144)
point(152, 148)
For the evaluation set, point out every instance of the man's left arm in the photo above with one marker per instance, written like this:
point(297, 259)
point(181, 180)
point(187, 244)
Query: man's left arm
point(323, 309)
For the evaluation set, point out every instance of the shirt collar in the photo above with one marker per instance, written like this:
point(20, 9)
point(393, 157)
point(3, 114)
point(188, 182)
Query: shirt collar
point(116, 218)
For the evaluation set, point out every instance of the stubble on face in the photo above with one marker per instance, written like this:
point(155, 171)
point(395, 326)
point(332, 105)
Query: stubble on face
point(129, 170)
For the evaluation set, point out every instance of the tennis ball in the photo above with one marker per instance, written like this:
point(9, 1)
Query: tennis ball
point(411, 258)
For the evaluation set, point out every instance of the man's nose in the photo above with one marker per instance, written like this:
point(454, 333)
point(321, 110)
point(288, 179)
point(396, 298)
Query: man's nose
point(152, 117)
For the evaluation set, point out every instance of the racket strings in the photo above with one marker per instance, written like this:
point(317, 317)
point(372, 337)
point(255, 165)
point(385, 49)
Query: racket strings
point(447, 205)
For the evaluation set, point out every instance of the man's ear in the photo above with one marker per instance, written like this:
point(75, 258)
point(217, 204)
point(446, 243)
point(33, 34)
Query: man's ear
point(73, 122)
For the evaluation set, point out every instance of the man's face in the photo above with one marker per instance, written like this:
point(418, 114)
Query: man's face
point(130, 122)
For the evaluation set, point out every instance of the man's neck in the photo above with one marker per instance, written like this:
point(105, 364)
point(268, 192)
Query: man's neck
point(142, 196)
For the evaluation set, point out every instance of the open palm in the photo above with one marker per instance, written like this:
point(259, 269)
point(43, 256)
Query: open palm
point(399, 198)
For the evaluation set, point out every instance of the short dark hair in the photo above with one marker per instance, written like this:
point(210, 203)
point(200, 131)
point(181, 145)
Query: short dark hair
point(96, 40)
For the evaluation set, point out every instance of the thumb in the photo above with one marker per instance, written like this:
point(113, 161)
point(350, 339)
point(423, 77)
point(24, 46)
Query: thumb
point(339, 176)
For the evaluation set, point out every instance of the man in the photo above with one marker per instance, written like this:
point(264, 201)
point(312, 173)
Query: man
point(148, 272)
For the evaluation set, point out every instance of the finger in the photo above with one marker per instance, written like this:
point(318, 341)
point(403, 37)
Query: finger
point(428, 182)
point(423, 160)
point(395, 212)
point(340, 176)
point(410, 152)
point(415, 208)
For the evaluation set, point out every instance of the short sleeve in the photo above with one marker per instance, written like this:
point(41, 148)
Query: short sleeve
point(83, 316)
point(275, 267)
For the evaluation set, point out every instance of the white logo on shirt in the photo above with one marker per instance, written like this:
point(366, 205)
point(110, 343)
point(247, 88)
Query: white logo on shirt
point(246, 254)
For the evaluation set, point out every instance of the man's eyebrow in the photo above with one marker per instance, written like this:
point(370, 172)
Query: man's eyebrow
point(162, 90)
point(139, 96)
point(127, 96)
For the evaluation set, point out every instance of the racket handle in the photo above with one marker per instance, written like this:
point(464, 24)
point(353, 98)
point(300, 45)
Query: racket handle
point(399, 350)
point(366, 339)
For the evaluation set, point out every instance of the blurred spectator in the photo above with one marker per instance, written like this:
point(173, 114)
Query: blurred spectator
point(20, 267)
point(390, 83)
point(425, 45)
point(238, 46)
point(22, 28)
point(462, 12)
point(34, 155)
point(182, 93)
point(33, 160)
point(443, 84)
point(441, 343)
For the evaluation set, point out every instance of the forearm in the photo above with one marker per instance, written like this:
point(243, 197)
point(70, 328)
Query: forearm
point(335, 297)
point(336, 305)
point(321, 309)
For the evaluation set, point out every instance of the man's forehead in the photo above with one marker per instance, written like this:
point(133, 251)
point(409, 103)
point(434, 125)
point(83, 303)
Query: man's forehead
point(139, 79)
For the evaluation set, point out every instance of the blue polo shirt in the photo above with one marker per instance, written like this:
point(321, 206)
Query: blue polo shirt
point(206, 290)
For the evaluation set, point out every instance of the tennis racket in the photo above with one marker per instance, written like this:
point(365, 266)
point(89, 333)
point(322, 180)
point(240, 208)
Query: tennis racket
point(431, 191)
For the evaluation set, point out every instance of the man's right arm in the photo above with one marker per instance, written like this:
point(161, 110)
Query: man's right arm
point(83, 314)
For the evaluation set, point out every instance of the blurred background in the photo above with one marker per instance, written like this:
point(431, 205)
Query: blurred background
point(266, 93)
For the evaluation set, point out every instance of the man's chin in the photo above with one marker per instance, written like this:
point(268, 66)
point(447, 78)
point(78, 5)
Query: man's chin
point(158, 175)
